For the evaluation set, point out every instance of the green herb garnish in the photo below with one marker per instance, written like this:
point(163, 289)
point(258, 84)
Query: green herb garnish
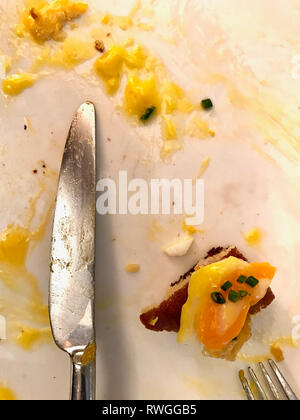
point(242, 279)
point(243, 293)
point(147, 114)
point(252, 281)
point(226, 286)
point(233, 296)
point(207, 103)
point(218, 298)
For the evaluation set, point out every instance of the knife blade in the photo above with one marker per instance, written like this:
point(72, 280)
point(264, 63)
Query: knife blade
point(72, 286)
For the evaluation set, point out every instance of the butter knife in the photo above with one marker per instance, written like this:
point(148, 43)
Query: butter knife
point(71, 294)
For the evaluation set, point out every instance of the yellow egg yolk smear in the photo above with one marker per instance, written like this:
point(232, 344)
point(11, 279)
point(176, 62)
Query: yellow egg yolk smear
point(6, 394)
point(47, 22)
point(15, 84)
point(216, 325)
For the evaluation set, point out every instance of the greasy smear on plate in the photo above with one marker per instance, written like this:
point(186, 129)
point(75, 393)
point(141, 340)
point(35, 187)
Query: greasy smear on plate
point(72, 52)
point(22, 302)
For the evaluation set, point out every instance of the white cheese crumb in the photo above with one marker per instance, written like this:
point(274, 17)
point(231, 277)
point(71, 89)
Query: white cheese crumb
point(180, 247)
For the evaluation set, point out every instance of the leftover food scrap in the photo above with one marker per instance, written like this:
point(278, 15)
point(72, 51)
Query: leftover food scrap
point(214, 302)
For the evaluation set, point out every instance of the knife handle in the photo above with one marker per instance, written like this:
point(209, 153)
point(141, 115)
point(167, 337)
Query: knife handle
point(83, 379)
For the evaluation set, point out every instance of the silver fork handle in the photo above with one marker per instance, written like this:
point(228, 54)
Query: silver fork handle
point(83, 380)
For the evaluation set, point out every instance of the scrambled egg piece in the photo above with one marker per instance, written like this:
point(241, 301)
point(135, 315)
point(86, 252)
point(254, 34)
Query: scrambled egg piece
point(141, 95)
point(110, 65)
point(47, 22)
point(16, 83)
point(216, 325)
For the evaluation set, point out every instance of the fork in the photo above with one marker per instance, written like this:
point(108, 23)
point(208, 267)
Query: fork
point(273, 388)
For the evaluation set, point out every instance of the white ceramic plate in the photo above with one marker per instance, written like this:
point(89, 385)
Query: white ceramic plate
point(249, 183)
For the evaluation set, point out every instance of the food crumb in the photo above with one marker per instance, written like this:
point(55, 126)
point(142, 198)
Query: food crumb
point(132, 268)
point(277, 353)
point(33, 13)
point(153, 321)
point(99, 45)
point(253, 237)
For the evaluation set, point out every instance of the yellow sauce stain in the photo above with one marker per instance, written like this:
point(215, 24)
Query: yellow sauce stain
point(45, 21)
point(89, 354)
point(29, 336)
point(6, 394)
point(74, 50)
point(22, 303)
point(132, 268)
point(16, 83)
point(253, 237)
point(208, 388)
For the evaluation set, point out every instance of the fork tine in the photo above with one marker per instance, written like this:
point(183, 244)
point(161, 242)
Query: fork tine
point(257, 384)
point(246, 386)
point(285, 386)
point(269, 381)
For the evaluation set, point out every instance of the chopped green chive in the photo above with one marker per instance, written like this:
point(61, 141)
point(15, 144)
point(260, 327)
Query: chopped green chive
point(147, 114)
point(207, 103)
point(226, 286)
point(242, 279)
point(243, 293)
point(252, 281)
point(218, 298)
point(233, 296)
